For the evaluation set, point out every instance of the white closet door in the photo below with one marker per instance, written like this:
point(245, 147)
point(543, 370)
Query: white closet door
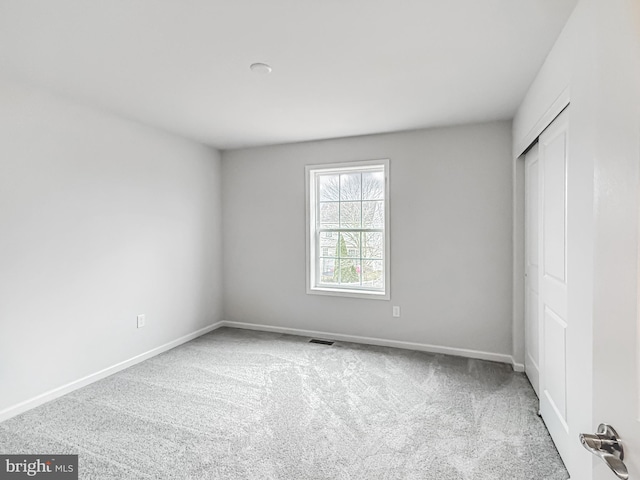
point(553, 278)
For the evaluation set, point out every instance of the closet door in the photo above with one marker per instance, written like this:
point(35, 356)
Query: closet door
point(553, 278)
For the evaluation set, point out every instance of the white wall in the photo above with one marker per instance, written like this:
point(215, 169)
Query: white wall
point(451, 238)
point(102, 219)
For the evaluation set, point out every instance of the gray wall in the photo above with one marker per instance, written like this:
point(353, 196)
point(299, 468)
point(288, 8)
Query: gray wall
point(102, 219)
point(451, 238)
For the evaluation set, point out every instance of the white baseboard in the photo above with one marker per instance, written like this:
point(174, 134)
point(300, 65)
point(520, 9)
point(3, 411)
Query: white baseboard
point(94, 377)
point(517, 367)
point(423, 347)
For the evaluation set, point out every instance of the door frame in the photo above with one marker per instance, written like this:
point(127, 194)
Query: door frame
point(532, 368)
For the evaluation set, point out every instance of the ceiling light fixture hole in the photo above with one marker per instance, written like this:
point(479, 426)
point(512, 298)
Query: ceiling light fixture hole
point(260, 68)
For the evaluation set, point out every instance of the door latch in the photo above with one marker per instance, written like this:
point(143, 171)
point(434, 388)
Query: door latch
point(607, 445)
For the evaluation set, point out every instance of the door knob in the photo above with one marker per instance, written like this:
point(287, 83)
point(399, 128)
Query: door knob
point(607, 445)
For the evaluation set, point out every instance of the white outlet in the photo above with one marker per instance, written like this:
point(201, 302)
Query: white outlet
point(396, 311)
point(140, 321)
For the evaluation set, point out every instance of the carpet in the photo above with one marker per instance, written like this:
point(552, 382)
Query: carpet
point(239, 404)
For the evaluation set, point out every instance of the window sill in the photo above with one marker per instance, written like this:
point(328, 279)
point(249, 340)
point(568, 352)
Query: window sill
point(334, 292)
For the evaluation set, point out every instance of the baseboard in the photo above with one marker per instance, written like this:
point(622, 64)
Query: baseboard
point(94, 377)
point(423, 347)
point(517, 367)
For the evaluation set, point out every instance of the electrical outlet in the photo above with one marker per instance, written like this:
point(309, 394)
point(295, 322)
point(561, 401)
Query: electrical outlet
point(141, 321)
point(396, 311)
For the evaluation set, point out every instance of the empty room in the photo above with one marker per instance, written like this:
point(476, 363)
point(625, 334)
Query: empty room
point(294, 239)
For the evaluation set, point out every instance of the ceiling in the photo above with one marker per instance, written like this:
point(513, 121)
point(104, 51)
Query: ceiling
point(340, 67)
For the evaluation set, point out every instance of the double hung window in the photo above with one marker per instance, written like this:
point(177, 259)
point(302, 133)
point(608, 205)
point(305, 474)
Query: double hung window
point(347, 229)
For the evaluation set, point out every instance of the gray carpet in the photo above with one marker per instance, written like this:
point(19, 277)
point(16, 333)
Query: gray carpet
point(237, 404)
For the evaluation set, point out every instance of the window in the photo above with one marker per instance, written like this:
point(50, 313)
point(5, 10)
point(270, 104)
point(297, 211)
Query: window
point(347, 229)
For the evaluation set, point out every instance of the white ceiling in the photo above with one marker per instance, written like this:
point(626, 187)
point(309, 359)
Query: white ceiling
point(340, 67)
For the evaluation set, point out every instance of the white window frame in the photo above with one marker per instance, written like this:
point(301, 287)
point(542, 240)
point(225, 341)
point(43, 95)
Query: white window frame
point(312, 231)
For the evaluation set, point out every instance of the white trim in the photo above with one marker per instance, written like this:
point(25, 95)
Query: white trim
point(21, 407)
point(423, 347)
point(517, 367)
point(345, 292)
point(310, 231)
point(544, 121)
point(518, 272)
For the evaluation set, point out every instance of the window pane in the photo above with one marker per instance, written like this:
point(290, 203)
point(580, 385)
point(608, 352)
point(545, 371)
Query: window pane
point(352, 244)
point(373, 214)
point(341, 247)
point(329, 216)
point(329, 186)
point(350, 186)
point(350, 214)
point(350, 272)
point(373, 273)
point(373, 186)
point(372, 245)
point(328, 272)
point(328, 244)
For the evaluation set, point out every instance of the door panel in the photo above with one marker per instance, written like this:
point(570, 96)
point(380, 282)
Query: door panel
point(553, 279)
point(555, 362)
point(554, 194)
